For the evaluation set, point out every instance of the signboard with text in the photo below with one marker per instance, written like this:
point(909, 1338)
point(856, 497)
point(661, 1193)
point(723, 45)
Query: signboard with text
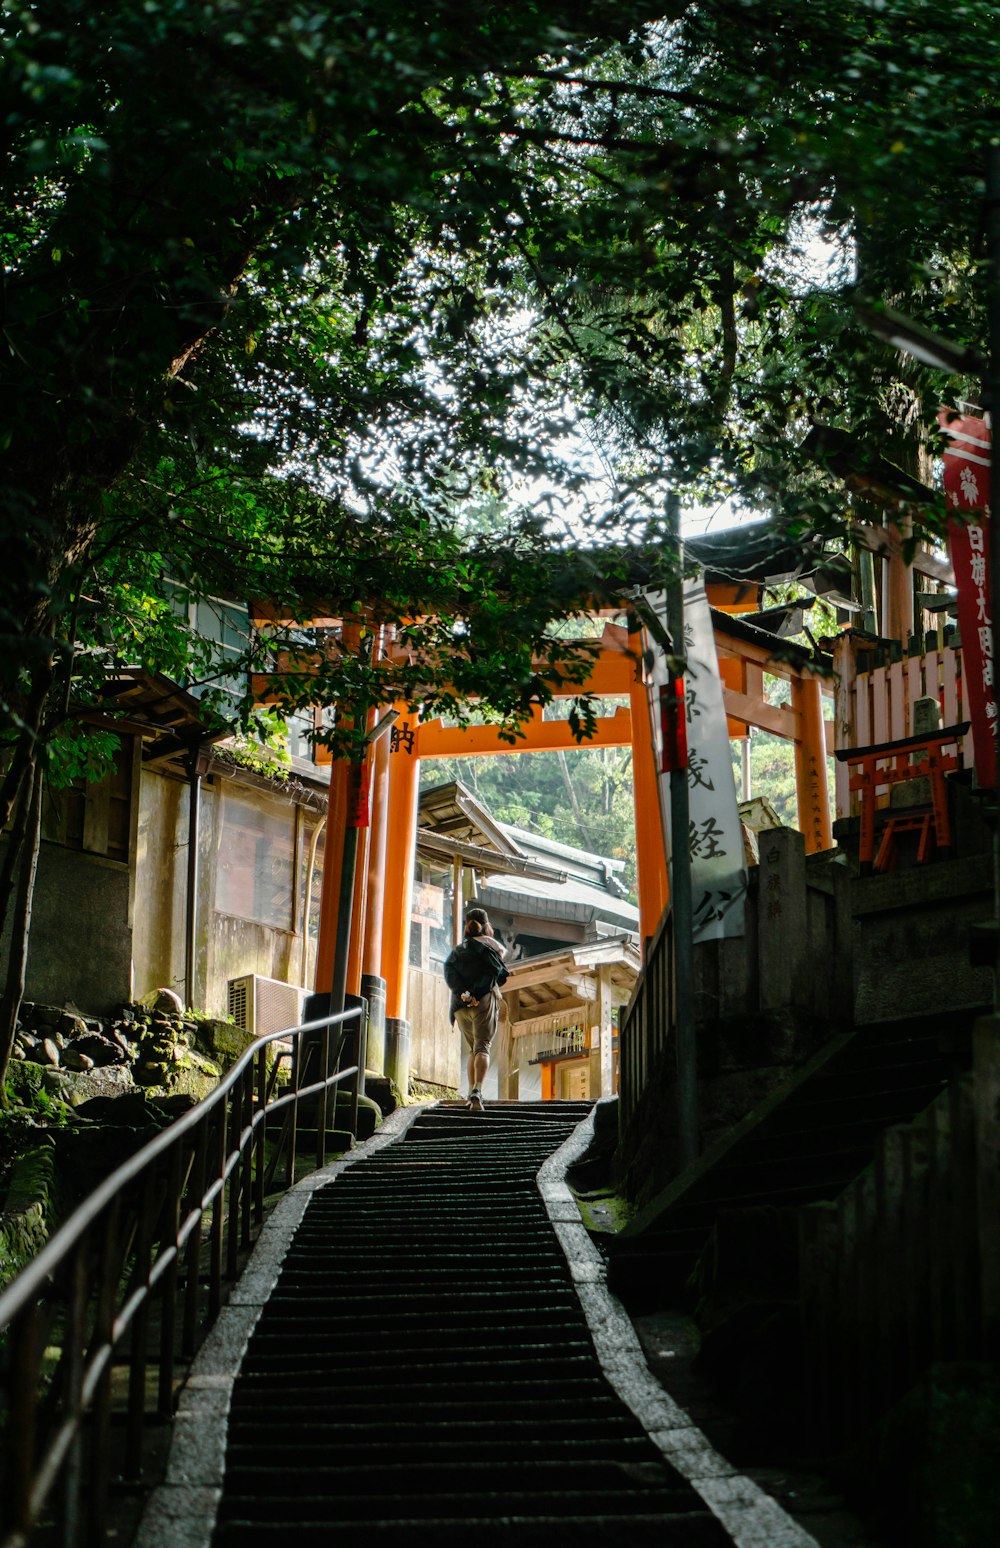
point(715, 841)
point(967, 489)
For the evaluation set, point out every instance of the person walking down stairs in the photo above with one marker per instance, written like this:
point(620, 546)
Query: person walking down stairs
point(474, 971)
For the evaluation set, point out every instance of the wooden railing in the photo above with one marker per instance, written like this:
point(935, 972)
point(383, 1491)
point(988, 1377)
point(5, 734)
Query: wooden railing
point(133, 1279)
point(876, 705)
point(646, 1025)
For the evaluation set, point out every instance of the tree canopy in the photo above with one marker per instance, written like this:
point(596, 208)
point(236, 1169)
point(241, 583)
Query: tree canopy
point(286, 291)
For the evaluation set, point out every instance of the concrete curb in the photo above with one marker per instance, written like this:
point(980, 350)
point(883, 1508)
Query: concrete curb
point(752, 1518)
point(181, 1512)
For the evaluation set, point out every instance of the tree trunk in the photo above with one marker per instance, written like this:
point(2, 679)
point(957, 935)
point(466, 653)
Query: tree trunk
point(13, 989)
point(582, 828)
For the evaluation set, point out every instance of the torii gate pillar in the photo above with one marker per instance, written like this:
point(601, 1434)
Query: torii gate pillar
point(401, 833)
point(651, 857)
point(810, 763)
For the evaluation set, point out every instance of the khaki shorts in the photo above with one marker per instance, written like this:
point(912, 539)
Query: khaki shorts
point(478, 1025)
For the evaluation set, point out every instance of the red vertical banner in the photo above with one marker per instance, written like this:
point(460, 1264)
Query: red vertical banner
point(967, 488)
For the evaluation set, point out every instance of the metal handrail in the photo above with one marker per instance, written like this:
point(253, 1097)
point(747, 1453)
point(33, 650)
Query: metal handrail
point(136, 1240)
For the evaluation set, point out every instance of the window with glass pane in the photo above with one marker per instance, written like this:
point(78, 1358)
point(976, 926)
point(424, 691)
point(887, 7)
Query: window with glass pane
point(255, 873)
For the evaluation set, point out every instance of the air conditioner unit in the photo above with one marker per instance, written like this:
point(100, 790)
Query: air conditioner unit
point(262, 1005)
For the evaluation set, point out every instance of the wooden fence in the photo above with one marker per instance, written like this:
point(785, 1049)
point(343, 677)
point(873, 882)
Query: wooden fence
point(646, 1023)
point(876, 704)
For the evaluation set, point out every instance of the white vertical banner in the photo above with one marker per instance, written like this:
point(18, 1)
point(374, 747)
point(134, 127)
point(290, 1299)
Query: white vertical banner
point(718, 865)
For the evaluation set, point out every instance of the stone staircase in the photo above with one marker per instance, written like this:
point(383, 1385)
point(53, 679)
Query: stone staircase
point(423, 1371)
point(804, 1144)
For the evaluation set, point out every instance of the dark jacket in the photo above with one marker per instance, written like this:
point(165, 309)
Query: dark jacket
point(476, 966)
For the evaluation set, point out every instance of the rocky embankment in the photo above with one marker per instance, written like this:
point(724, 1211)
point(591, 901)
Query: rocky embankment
point(87, 1092)
point(152, 1047)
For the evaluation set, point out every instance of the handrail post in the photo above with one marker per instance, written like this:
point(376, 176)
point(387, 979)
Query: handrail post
point(100, 1429)
point(293, 1122)
point(358, 1079)
point(75, 1343)
point(232, 1166)
point(322, 1097)
point(24, 1364)
point(193, 1257)
point(168, 1295)
point(245, 1128)
point(218, 1218)
point(140, 1335)
point(259, 1140)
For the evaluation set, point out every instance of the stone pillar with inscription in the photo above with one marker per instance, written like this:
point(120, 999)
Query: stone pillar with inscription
point(783, 927)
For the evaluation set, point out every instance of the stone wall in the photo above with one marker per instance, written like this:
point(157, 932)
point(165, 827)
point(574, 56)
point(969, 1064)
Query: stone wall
point(824, 950)
point(227, 945)
point(81, 931)
point(764, 1003)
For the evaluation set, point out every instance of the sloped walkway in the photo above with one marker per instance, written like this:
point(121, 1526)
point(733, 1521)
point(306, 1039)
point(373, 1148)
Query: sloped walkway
point(424, 1351)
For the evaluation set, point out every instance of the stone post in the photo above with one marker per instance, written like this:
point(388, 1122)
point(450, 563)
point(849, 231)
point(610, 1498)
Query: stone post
point(397, 1052)
point(373, 990)
point(783, 927)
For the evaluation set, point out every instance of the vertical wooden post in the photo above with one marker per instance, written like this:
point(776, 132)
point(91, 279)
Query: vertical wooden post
point(810, 764)
point(600, 1037)
point(400, 841)
point(897, 621)
point(360, 901)
point(457, 900)
point(654, 888)
point(333, 860)
point(372, 954)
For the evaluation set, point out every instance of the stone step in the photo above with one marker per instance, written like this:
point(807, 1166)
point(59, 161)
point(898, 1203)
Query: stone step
point(340, 1369)
point(487, 1404)
point(424, 1372)
point(696, 1529)
point(563, 1478)
point(379, 1449)
point(430, 1504)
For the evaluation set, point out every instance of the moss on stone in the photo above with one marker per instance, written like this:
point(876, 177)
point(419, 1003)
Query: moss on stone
point(29, 1208)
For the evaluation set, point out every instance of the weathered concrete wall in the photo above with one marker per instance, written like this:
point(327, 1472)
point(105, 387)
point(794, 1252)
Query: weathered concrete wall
point(161, 861)
point(435, 1046)
point(226, 946)
point(81, 934)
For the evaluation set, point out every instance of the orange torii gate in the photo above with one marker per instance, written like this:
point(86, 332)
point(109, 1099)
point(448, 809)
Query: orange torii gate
point(378, 952)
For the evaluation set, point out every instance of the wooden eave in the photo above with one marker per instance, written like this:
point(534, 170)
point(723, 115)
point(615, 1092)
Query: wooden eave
point(486, 861)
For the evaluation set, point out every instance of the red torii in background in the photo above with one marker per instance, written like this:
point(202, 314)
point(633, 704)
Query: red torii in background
point(382, 805)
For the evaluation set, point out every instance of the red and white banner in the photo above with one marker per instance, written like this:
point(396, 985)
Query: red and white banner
point(967, 488)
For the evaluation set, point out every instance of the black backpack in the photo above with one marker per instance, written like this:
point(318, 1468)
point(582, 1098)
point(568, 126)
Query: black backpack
point(474, 968)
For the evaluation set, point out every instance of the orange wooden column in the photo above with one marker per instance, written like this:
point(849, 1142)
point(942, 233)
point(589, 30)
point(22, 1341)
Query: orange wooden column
point(811, 788)
point(371, 957)
point(359, 904)
point(401, 834)
point(333, 860)
point(654, 887)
